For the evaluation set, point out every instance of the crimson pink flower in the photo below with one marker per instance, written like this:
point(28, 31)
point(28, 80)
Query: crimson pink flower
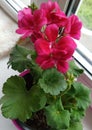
point(30, 22)
point(52, 52)
point(53, 13)
point(73, 27)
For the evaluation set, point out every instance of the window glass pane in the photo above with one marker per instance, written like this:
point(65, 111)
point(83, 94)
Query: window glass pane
point(85, 14)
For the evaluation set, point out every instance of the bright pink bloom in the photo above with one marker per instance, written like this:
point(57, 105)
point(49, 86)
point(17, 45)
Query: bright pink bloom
point(53, 13)
point(29, 22)
point(73, 27)
point(25, 19)
point(52, 52)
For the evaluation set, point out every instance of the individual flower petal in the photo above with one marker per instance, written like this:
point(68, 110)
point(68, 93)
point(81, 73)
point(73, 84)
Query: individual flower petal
point(64, 49)
point(50, 6)
point(22, 13)
point(39, 19)
point(62, 67)
point(45, 62)
point(58, 18)
point(42, 47)
point(27, 33)
point(51, 32)
point(73, 27)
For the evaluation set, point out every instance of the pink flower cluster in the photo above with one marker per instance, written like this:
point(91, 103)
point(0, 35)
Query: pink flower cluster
point(52, 33)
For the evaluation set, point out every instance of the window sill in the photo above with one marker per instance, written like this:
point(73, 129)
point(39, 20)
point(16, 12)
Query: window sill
point(85, 80)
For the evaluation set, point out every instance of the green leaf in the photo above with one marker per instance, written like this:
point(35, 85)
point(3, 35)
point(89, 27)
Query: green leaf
point(20, 58)
point(77, 115)
point(52, 82)
point(37, 98)
point(74, 69)
point(36, 72)
point(56, 117)
point(76, 126)
point(51, 99)
point(14, 103)
point(82, 95)
point(17, 102)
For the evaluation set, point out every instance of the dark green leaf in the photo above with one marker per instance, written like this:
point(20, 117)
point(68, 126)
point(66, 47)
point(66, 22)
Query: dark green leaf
point(51, 99)
point(76, 126)
point(74, 69)
point(19, 103)
point(36, 72)
point(82, 95)
point(56, 117)
point(37, 98)
point(20, 58)
point(52, 82)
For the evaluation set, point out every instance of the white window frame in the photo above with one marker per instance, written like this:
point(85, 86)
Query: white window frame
point(82, 55)
point(12, 7)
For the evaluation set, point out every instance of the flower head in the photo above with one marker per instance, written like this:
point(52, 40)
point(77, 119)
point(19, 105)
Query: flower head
point(30, 22)
point(53, 13)
point(73, 27)
point(54, 52)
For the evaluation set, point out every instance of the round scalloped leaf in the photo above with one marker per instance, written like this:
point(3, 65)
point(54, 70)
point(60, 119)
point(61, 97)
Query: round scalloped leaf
point(19, 58)
point(53, 82)
point(18, 102)
point(56, 117)
point(82, 95)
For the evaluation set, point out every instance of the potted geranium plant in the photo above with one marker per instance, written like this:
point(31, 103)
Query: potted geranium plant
point(46, 95)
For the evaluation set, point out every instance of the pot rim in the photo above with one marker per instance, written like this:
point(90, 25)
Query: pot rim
point(17, 125)
point(24, 73)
